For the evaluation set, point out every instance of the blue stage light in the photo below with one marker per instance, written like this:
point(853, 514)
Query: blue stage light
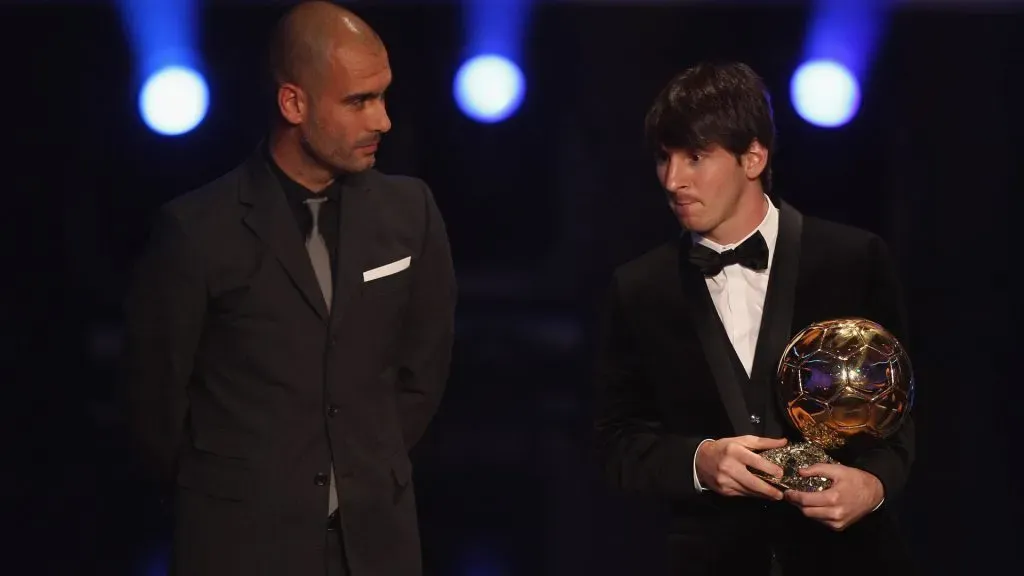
point(489, 88)
point(174, 100)
point(825, 93)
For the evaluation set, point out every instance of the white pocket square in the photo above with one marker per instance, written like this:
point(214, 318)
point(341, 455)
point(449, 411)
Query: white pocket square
point(387, 269)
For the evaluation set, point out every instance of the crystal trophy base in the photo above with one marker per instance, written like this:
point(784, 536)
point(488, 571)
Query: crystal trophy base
point(791, 458)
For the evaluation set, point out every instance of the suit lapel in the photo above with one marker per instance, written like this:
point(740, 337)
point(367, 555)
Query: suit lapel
point(777, 319)
point(271, 219)
point(358, 220)
point(715, 342)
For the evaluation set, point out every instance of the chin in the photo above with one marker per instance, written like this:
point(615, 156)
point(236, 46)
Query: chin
point(354, 166)
point(693, 225)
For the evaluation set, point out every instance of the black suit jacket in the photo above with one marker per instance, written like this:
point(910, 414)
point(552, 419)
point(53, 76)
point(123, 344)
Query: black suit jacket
point(243, 389)
point(668, 377)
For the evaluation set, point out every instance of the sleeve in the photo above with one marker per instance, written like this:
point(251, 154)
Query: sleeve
point(637, 453)
point(890, 460)
point(164, 315)
point(429, 329)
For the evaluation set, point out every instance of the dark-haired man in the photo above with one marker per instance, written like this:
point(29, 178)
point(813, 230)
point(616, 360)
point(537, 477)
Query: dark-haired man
point(290, 328)
point(694, 330)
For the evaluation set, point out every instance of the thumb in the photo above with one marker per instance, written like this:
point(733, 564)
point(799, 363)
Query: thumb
point(758, 443)
point(830, 471)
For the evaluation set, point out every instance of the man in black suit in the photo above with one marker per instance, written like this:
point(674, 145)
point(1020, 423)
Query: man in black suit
point(290, 328)
point(694, 331)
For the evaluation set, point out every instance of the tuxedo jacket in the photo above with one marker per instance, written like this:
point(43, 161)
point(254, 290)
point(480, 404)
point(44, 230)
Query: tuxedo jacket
point(243, 388)
point(668, 378)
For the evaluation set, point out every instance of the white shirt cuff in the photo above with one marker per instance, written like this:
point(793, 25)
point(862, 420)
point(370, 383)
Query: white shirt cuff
point(696, 482)
point(879, 505)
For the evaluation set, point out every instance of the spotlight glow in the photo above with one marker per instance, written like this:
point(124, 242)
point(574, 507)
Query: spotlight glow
point(825, 93)
point(174, 100)
point(489, 88)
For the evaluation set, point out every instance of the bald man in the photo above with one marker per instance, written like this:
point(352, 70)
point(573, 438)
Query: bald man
point(289, 331)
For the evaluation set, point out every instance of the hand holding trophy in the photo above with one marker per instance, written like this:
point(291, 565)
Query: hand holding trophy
point(837, 379)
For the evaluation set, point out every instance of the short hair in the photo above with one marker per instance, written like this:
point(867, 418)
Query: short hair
point(296, 52)
point(724, 104)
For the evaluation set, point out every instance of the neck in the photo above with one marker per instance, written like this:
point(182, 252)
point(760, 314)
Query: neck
point(751, 209)
point(286, 150)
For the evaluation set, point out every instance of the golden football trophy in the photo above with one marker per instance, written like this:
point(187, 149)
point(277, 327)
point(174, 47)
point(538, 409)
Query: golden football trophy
point(837, 379)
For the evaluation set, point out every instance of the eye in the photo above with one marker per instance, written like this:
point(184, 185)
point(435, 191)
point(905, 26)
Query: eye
point(696, 157)
point(358, 101)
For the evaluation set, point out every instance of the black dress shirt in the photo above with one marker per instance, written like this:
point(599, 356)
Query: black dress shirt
point(330, 213)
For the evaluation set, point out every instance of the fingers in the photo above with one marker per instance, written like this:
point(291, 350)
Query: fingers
point(755, 486)
point(828, 513)
point(730, 464)
point(824, 498)
point(758, 443)
point(829, 516)
point(827, 506)
point(830, 471)
point(747, 485)
point(734, 479)
point(748, 458)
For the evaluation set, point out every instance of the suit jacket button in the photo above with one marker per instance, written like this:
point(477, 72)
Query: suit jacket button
point(320, 479)
point(755, 419)
point(332, 411)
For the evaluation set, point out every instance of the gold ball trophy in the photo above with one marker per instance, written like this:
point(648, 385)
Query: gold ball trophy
point(837, 379)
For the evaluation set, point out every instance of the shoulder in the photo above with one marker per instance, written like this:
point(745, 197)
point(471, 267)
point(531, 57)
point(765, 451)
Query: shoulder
point(405, 199)
point(825, 235)
point(206, 203)
point(644, 272)
point(397, 187)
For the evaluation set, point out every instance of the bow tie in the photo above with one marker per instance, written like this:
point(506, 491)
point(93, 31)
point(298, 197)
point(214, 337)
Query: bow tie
point(752, 253)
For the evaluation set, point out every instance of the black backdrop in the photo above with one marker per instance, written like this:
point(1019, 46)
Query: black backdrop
point(539, 208)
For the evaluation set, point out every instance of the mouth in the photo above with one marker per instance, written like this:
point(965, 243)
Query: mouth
point(370, 146)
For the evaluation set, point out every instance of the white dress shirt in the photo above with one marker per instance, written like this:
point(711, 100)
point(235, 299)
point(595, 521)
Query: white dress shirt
point(738, 294)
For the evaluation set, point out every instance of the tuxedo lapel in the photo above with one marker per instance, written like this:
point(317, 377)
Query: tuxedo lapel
point(725, 366)
point(358, 220)
point(271, 219)
point(777, 318)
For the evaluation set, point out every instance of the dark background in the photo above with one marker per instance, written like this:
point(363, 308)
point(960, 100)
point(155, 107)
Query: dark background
point(540, 208)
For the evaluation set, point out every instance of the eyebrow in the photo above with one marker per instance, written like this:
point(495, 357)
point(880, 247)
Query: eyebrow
point(362, 96)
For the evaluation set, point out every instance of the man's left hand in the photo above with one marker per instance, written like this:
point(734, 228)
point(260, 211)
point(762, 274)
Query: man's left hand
point(854, 494)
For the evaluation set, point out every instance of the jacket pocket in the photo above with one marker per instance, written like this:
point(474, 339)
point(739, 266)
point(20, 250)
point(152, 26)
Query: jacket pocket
point(213, 475)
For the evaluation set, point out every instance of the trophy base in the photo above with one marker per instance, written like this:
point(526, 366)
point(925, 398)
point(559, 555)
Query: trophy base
point(792, 458)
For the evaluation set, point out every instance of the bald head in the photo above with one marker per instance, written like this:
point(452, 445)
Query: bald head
point(309, 34)
point(330, 73)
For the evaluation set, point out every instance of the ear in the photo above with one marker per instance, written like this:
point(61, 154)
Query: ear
point(754, 160)
point(292, 103)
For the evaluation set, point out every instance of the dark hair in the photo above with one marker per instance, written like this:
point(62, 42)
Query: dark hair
point(713, 104)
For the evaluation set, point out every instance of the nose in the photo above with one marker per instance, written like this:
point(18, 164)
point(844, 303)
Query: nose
point(676, 173)
point(381, 122)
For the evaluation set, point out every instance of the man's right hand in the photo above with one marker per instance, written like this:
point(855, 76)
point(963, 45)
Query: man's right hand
point(722, 466)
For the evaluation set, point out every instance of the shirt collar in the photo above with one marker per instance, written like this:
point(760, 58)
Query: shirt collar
point(769, 229)
point(297, 193)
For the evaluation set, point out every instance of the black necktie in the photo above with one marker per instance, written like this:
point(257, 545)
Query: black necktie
point(752, 253)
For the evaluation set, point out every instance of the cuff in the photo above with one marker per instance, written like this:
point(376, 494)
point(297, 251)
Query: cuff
point(696, 481)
